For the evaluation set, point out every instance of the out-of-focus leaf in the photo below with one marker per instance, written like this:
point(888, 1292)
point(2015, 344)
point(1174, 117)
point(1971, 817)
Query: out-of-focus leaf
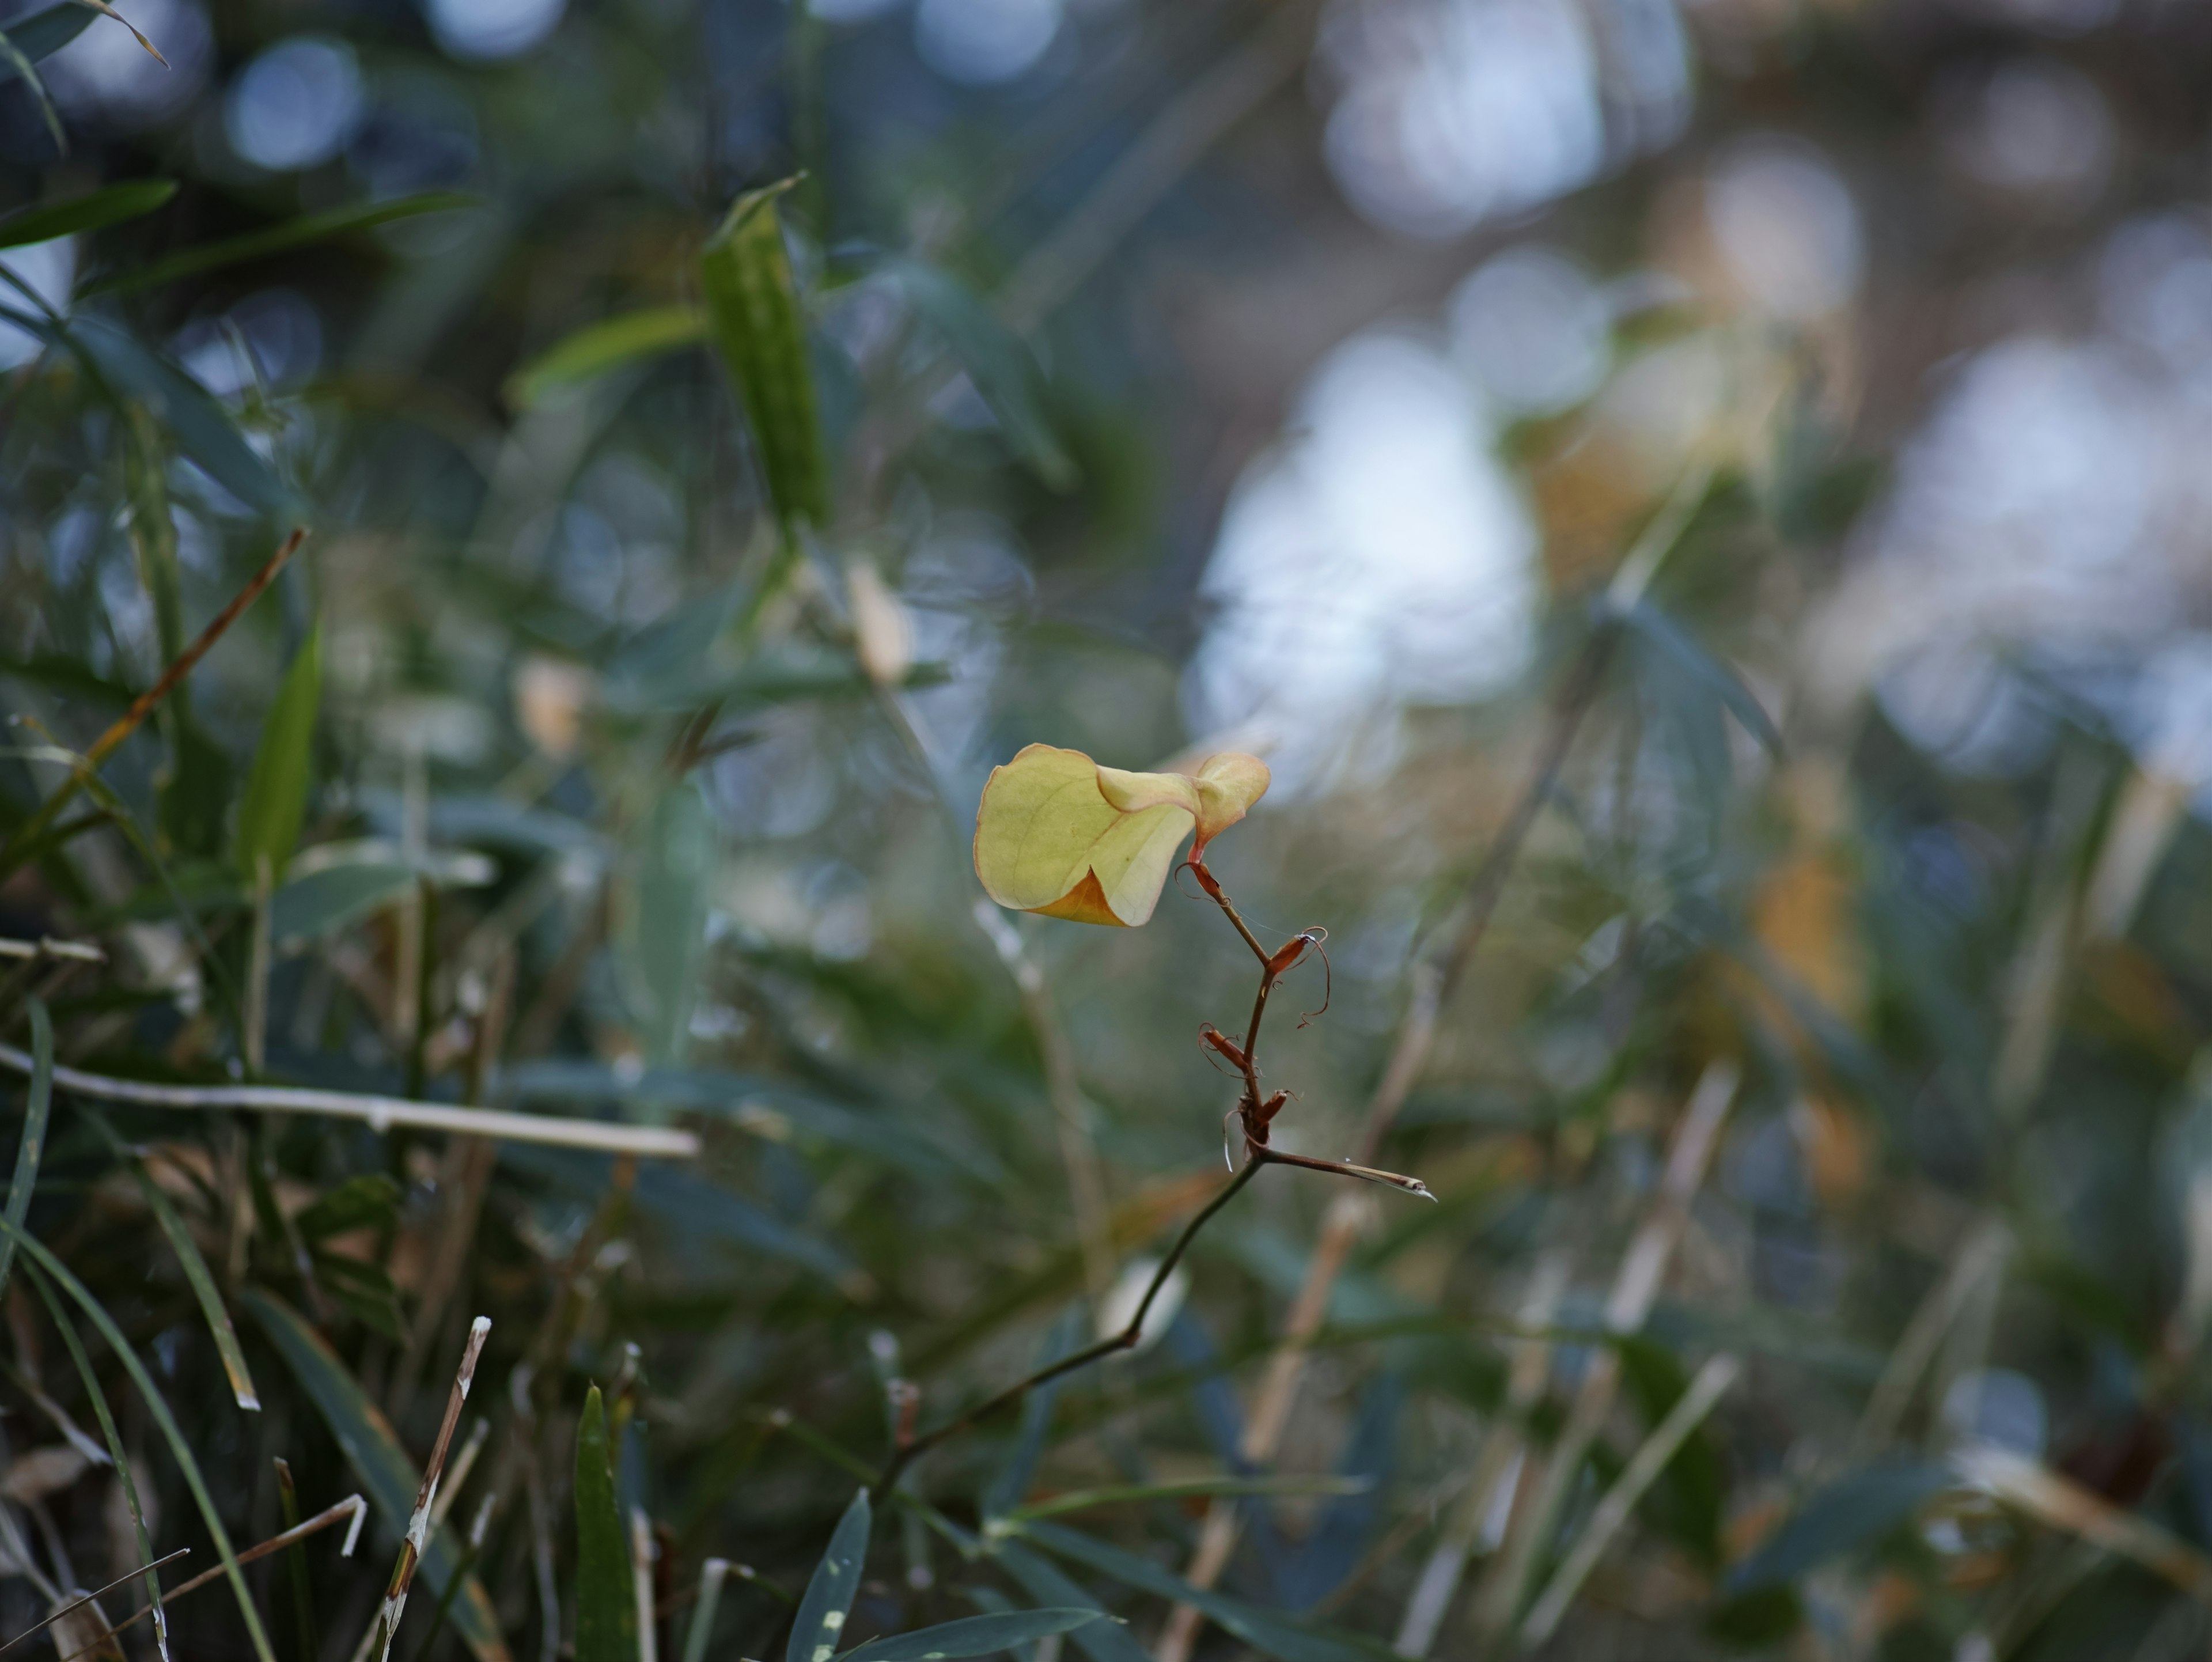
point(1754, 1620)
point(597, 348)
point(43, 34)
point(997, 360)
point(1058, 834)
point(1011, 1481)
point(1854, 1511)
point(664, 664)
point(198, 423)
point(668, 933)
point(369, 1201)
point(829, 1598)
point(180, 1447)
point(753, 307)
point(1102, 1642)
point(1083, 1500)
point(606, 1599)
point(974, 1635)
point(366, 1439)
point(326, 900)
point(1670, 642)
point(1341, 1533)
point(31, 1148)
point(1686, 1504)
point(1285, 1638)
point(292, 234)
point(694, 1209)
point(363, 1287)
point(275, 800)
point(110, 205)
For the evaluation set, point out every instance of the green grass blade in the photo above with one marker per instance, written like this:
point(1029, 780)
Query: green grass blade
point(973, 1635)
point(196, 1272)
point(607, 1597)
point(1083, 1500)
point(271, 813)
point(712, 1575)
point(32, 1147)
point(295, 1564)
point(117, 1455)
point(829, 1598)
point(753, 306)
point(89, 212)
point(387, 1476)
point(158, 1406)
point(598, 349)
point(254, 245)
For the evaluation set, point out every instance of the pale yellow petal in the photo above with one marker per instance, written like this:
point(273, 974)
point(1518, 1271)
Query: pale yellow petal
point(1048, 839)
point(1227, 785)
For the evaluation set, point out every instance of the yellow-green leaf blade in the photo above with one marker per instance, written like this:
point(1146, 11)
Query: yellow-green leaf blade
point(275, 800)
point(598, 348)
point(760, 329)
point(110, 206)
point(606, 1599)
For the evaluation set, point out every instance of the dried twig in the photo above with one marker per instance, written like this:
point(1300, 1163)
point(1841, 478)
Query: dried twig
point(353, 1509)
point(380, 1113)
point(418, 1522)
point(83, 1600)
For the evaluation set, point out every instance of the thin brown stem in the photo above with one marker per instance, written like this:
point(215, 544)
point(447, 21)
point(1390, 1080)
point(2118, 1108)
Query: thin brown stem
point(907, 1453)
point(26, 835)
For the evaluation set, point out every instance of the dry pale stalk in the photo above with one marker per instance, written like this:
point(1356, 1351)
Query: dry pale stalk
point(1612, 1515)
point(1635, 1286)
point(2061, 1502)
point(380, 1113)
point(418, 1523)
point(1497, 1469)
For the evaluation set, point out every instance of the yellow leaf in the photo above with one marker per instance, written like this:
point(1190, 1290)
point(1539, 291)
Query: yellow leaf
point(1060, 835)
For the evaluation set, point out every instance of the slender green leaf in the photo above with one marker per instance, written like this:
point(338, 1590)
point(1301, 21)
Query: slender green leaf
point(997, 360)
point(1011, 1481)
point(606, 1599)
point(1284, 1637)
point(700, 1631)
point(598, 348)
point(1854, 1511)
point(275, 800)
point(257, 245)
point(387, 1476)
point(195, 1266)
point(18, 64)
point(1041, 1579)
point(669, 917)
point(753, 307)
point(369, 1201)
point(36, 1104)
point(973, 1635)
point(117, 1455)
point(72, 215)
point(829, 1597)
point(180, 1447)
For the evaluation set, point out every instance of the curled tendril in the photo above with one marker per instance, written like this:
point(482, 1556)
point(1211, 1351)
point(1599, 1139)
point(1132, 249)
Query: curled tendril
point(1315, 937)
point(1187, 865)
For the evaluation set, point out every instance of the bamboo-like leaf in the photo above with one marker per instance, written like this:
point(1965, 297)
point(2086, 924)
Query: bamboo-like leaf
point(1041, 1579)
point(606, 1602)
point(369, 1201)
point(1083, 1500)
point(370, 1447)
point(256, 245)
point(997, 360)
point(973, 1635)
point(37, 1103)
point(195, 1267)
point(117, 1455)
point(110, 206)
point(275, 800)
point(753, 309)
point(1854, 1511)
point(598, 349)
point(1271, 1632)
point(829, 1597)
point(669, 931)
point(45, 33)
point(179, 1447)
